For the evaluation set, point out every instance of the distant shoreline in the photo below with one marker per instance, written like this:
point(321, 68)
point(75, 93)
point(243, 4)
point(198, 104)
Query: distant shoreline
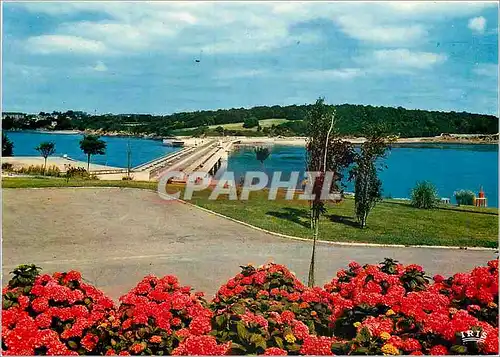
point(299, 141)
point(290, 141)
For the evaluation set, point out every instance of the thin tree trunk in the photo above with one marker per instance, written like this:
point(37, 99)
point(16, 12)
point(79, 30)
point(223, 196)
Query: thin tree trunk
point(45, 166)
point(310, 280)
point(88, 163)
point(315, 216)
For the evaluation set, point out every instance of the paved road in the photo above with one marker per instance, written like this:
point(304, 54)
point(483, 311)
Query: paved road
point(116, 236)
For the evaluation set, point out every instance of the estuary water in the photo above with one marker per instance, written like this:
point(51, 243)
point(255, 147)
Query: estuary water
point(142, 150)
point(450, 167)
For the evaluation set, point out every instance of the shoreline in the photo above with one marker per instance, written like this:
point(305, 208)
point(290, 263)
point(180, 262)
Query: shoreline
point(301, 141)
point(289, 141)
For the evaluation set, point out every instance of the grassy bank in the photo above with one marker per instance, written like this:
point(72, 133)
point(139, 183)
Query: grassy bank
point(391, 221)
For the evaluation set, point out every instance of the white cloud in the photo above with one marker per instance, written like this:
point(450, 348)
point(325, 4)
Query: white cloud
point(401, 58)
point(330, 74)
point(477, 24)
point(100, 67)
point(47, 44)
point(486, 69)
point(367, 29)
point(221, 27)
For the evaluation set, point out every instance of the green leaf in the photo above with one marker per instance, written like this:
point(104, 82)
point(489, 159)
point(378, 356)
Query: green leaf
point(279, 342)
point(237, 346)
point(238, 309)
point(242, 331)
point(219, 320)
point(363, 336)
point(338, 348)
point(361, 351)
point(457, 349)
point(73, 345)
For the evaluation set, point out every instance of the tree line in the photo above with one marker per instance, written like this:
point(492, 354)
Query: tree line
point(352, 120)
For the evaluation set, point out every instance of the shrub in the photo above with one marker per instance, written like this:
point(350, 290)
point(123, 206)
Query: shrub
point(375, 309)
point(58, 314)
point(465, 197)
point(268, 308)
point(77, 172)
point(250, 123)
point(127, 178)
point(424, 195)
point(52, 170)
point(7, 166)
point(161, 317)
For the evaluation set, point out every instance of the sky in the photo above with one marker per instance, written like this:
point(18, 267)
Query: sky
point(165, 57)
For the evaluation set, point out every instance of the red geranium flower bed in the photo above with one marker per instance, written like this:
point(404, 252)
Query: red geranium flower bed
point(386, 308)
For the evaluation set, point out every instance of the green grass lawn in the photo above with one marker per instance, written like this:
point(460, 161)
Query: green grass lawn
point(390, 222)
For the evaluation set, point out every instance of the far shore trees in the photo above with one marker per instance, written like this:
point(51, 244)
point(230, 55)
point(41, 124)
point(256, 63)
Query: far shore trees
point(251, 122)
point(46, 149)
point(367, 185)
point(92, 145)
point(7, 146)
point(326, 152)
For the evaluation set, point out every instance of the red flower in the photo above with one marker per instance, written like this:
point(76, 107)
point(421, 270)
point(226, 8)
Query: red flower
point(137, 348)
point(275, 351)
point(89, 341)
point(438, 350)
point(155, 339)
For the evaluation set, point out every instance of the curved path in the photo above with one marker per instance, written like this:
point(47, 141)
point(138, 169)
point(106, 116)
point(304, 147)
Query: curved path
point(116, 236)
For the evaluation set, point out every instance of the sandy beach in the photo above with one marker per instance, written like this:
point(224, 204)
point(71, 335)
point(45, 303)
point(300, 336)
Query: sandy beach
point(61, 162)
point(301, 141)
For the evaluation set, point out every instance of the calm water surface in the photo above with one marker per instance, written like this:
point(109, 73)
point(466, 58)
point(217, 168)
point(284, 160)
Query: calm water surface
point(143, 150)
point(448, 166)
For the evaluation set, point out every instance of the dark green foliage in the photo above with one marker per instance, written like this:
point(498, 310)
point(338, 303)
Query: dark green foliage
point(352, 120)
point(92, 145)
point(325, 153)
point(7, 146)
point(251, 123)
point(24, 275)
point(220, 130)
point(46, 149)
point(465, 197)
point(7, 166)
point(367, 185)
point(424, 195)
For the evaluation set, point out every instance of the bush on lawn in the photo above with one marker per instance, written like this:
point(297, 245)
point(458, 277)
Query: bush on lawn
point(424, 195)
point(52, 170)
point(465, 197)
point(386, 308)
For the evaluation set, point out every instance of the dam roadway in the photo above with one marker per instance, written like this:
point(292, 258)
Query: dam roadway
point(205, 158)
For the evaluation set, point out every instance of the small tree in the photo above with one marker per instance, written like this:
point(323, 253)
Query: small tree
point(7, 146)
point(367, 185)
point(92, 145)
point(46, 149)
point(251, 123)
point(220, 130)
point(326, 152)
point(424, 195)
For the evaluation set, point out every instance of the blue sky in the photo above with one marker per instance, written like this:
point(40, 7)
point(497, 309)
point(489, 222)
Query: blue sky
point(141, 57)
